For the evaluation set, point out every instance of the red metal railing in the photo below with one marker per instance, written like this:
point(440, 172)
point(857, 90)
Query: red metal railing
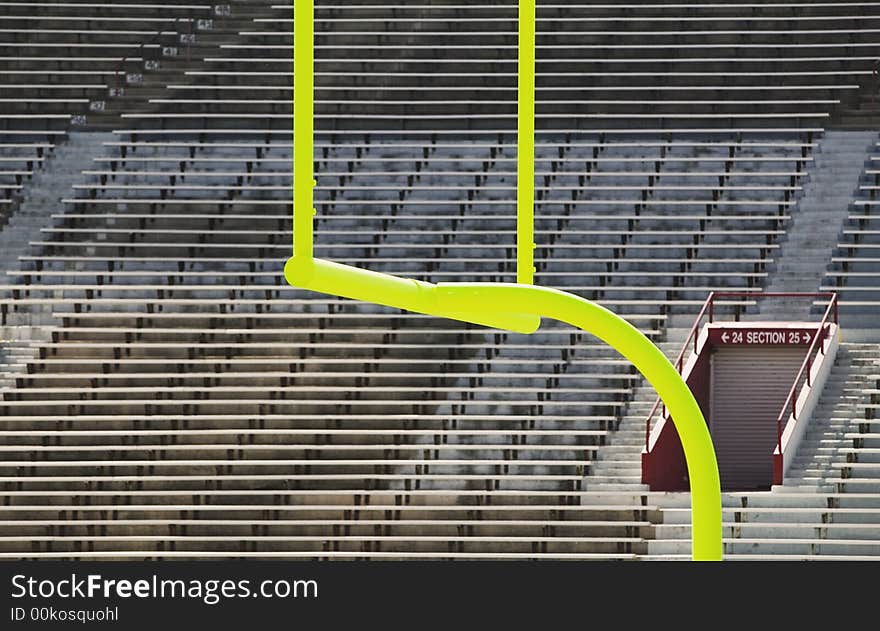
point(818, 346)
point(709, 308)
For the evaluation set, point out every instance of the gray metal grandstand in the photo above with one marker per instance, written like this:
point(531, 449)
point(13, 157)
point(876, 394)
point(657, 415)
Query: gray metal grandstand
point(166, 394)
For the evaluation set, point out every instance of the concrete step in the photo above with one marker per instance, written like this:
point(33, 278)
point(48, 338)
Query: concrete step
point(775, 547)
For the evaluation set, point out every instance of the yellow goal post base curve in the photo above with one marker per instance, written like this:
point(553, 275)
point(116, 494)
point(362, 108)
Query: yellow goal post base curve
point(514, 307)
point(520, 308)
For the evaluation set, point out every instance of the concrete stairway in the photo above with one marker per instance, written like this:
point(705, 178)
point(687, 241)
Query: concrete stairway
point(815, 514)
point(14, 356)
point(839, 411)
point(150, 86)
point(834, 175)
point(41, 199)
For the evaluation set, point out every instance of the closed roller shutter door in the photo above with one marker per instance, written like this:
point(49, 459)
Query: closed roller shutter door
point(749, 387)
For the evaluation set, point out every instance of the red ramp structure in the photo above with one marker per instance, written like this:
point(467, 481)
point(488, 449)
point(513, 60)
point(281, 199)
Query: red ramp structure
point(757, 383)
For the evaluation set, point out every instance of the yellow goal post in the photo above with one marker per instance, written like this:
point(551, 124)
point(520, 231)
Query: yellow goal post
point(516, 307)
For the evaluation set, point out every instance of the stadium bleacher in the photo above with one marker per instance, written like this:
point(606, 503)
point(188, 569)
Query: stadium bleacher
point(167, 394)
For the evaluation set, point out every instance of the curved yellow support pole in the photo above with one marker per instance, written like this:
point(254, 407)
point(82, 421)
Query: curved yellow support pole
point(648, 360)
point(520, 308)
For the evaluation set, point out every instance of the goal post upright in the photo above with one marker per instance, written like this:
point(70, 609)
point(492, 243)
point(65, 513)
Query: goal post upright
point(303, 128)
point(525, 146)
